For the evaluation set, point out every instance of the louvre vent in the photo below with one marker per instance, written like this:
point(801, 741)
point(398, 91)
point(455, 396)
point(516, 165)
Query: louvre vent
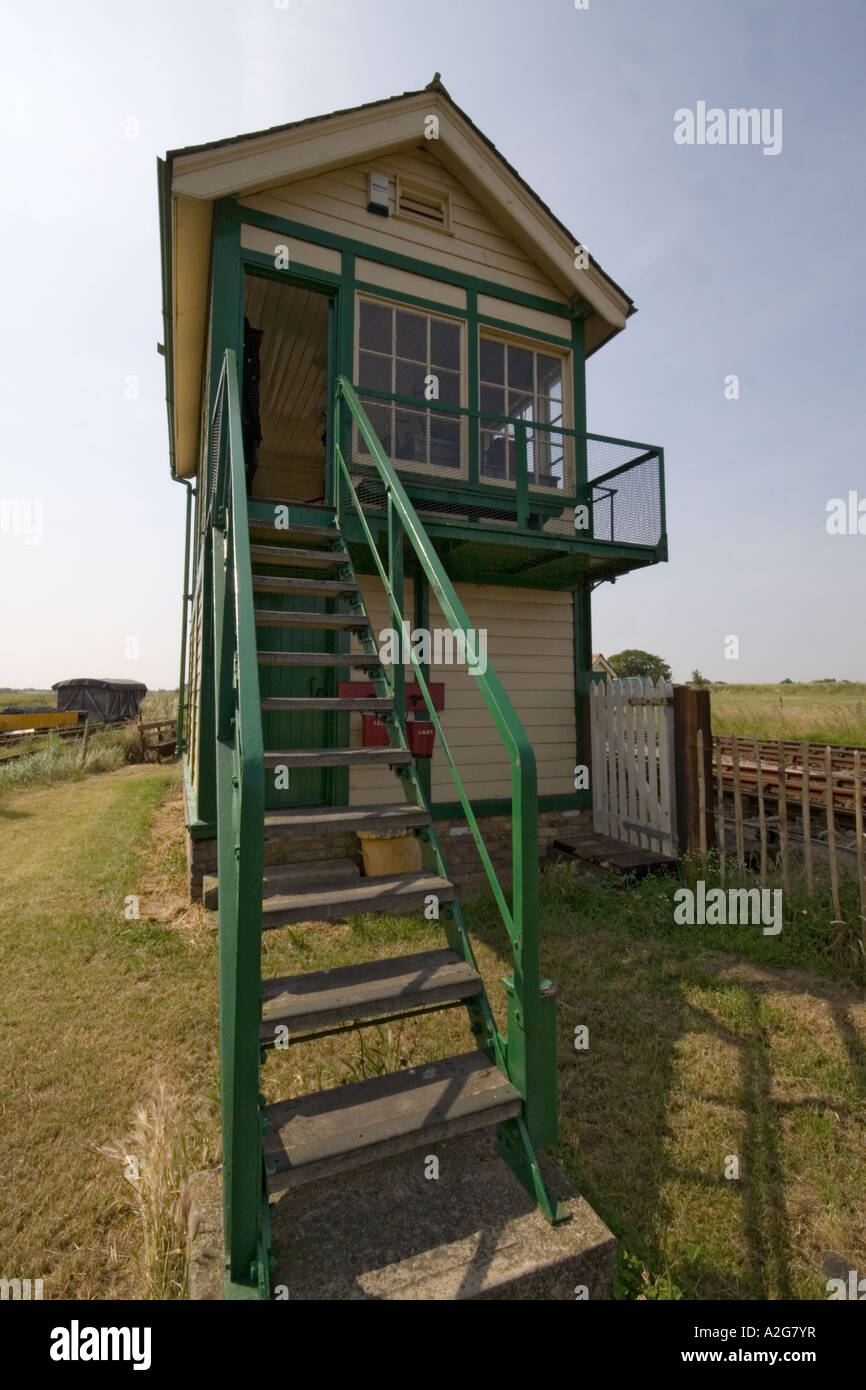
point(422, 204)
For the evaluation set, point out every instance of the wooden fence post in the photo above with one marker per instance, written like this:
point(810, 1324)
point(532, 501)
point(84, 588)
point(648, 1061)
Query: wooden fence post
point(831, 832)
point(806, 811)
point(782, 808)
point(858, 827)
point(762, 817)
point(83, 756)
point(692, 712)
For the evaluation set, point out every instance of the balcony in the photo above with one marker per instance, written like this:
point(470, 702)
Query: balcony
point(512, 499)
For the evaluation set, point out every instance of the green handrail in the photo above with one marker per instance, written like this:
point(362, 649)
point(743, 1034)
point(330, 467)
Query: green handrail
point(240, 801)
point(528, 1048)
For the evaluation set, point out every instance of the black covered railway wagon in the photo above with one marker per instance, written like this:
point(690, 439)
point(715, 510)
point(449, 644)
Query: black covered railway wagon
point(104, 701)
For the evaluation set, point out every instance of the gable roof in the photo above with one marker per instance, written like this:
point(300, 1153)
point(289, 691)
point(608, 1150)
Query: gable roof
point(192, 178)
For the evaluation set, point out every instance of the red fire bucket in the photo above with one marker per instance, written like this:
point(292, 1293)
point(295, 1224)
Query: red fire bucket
point(421, 734)
point(373, 732)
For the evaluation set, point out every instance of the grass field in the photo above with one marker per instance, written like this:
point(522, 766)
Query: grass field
point(703, 1043)
point(820, 712)
point(100, 1014)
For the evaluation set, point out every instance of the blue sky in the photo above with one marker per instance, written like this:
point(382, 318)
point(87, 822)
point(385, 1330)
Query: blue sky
point(739, 263)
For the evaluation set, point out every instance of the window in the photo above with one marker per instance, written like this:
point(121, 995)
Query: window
point(402, 352)
point(522, 383)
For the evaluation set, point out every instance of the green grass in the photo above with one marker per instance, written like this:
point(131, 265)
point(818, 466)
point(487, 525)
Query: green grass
point(703, 1042)
point(101, 1016)
point(818, 711)
point(50, 759)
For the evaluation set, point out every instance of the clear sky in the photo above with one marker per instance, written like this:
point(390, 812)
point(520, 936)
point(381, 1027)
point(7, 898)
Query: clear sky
point(739, 262)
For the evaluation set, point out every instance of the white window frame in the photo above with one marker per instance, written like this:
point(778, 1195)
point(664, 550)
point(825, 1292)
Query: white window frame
point(426, 470)
point(546, 349)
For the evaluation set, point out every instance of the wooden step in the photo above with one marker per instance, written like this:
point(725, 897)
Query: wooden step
point(329, 1132)
point(302, 877)
point(337, 757)
point(348, 660)
point(326, 999)
point(275, 617)
point(291, 584)
point(336, 820)
point(288, 555)
point(289, 704)
point(299, 532)
point(394, 893)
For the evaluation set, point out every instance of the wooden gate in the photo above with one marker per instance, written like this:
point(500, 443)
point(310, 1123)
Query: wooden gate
point(633, 783)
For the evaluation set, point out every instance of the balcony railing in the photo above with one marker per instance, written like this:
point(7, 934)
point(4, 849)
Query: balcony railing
point(512, 472)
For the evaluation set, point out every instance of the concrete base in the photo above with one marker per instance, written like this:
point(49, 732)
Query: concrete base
point(388, 1232)
point(203, 1204)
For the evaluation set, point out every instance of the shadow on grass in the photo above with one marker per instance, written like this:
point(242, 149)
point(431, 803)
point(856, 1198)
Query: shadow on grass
point(677, 1077)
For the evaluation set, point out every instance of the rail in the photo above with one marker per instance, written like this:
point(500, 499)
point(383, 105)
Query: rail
point(239, 778)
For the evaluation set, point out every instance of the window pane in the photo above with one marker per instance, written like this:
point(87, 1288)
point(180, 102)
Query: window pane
point(444, 345)
point(374, 372)
point(548, 411)
point(492, 400)
point(411, 336)
point(375, 327)
point(410, 379)
point(380, 419)
point(520, 368)
point(411, 433)
point(497, 453)
point(449, 387)
point(520, 405)
point(549, 376)
point(444, 441)
point(492, 362)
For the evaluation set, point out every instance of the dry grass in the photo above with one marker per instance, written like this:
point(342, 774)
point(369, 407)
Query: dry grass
point(156, 1158)
point(98, 1008)
point(819, 711)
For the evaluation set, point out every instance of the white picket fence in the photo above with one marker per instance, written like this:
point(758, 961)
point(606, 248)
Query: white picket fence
point(633, 786)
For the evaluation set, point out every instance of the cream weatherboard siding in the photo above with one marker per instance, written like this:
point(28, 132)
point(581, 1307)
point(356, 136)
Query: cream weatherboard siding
point(337, 202)
point(530, 644)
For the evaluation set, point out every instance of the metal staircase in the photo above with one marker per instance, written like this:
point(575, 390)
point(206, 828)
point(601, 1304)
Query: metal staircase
point(258, 573)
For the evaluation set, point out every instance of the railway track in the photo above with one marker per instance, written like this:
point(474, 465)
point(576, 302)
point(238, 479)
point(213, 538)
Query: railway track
point(802, 767)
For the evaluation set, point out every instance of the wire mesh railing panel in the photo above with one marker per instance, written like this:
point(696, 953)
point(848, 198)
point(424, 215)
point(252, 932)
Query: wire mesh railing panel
point(624, 492)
